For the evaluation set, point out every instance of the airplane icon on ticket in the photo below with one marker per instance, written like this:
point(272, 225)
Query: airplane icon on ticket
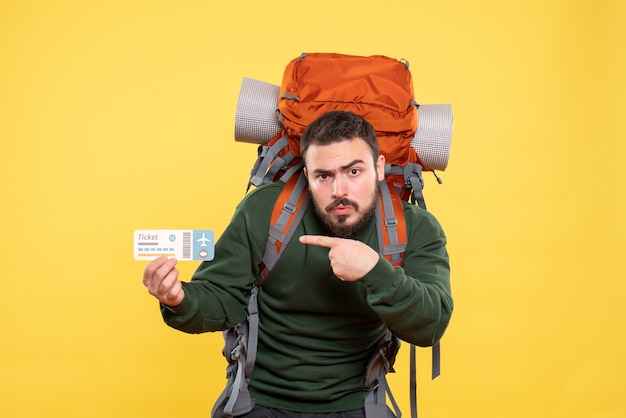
point(203, 240)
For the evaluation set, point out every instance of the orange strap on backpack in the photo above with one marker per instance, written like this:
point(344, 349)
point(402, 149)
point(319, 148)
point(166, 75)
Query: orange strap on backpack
point(288, 210)
point(391, 224)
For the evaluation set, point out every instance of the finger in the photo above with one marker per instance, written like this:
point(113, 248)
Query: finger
point(319, 240)
point(158, 272)
point(175, 295)
point(166, 286)
point(163, 283)
point(150, 270)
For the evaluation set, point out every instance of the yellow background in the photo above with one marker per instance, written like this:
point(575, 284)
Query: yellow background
point(118, 115)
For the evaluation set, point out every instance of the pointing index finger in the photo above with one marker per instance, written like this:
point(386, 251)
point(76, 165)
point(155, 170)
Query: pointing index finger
point(318, 240)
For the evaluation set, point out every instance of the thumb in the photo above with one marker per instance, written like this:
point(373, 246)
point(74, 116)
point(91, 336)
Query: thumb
point(318, 240)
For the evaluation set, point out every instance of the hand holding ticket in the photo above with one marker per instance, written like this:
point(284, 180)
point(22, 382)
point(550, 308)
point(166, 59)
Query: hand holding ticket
point(182, 244)
point(161, 279)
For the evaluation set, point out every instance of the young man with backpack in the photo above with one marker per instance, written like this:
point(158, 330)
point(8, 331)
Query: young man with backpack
point(331, 296)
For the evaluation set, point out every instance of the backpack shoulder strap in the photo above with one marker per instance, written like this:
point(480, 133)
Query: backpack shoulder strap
point(391, 225)
point(392, 239)
point(240, 347)
point(286, 215)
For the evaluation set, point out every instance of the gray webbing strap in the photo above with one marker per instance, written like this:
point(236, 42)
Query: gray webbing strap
point(239, 399)
point(396, 408)
point(413, 175)
point(436, 370)
point(277, 165)
point(271, 255)
point(395, 248)
point(239, 393)
point(413, 383)
point(244, 355)
point(225, 392)
point(268, 155)
point(436, 364)
point(376, 401)
point(291, 171)
point(253, 331)
point(255, 168)
point(289, 97)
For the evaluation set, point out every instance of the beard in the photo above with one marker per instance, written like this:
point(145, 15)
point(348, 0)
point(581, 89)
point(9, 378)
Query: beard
point(338, 226)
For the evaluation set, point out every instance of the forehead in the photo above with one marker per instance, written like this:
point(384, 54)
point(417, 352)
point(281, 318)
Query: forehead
point(338, 153)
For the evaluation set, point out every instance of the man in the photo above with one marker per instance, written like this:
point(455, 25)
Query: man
point(331, 296)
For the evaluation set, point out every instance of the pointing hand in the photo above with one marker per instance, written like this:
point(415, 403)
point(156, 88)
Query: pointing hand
point(349, 259)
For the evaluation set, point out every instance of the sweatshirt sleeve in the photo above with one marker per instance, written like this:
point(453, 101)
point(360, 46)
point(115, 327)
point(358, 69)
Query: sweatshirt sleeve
point(415, 300)
point(216, 298)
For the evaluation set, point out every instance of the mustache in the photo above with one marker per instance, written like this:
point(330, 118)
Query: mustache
point(343, 201)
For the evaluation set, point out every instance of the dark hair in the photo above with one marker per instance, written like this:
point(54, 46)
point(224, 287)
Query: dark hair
point(337, 126)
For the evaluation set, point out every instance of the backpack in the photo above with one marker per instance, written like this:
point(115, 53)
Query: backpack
point(380, 89)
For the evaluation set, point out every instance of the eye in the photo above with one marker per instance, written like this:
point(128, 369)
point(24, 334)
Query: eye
point(354, 171)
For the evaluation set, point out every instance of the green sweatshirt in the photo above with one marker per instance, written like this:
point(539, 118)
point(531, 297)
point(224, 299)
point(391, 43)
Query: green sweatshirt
point(317, 332)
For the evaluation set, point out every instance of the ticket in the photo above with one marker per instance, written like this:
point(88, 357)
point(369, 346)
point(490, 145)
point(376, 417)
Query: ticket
point(183, 244)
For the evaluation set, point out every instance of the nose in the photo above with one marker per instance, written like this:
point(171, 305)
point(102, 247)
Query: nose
point(339, 188)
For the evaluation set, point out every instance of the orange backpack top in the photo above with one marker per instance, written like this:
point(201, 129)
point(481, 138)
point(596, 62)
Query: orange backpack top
point(378, 88)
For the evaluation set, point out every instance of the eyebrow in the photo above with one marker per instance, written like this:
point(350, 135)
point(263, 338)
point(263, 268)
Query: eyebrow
point(345, 167)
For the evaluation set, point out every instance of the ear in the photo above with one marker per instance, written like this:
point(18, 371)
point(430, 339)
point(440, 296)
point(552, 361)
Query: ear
point(306, 173)
point(380, 167)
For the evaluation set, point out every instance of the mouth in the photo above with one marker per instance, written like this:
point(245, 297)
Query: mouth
point(341, 207)
point(342, 210)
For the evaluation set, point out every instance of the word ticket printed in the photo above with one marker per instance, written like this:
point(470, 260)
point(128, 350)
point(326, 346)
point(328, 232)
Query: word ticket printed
point(183, 244)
